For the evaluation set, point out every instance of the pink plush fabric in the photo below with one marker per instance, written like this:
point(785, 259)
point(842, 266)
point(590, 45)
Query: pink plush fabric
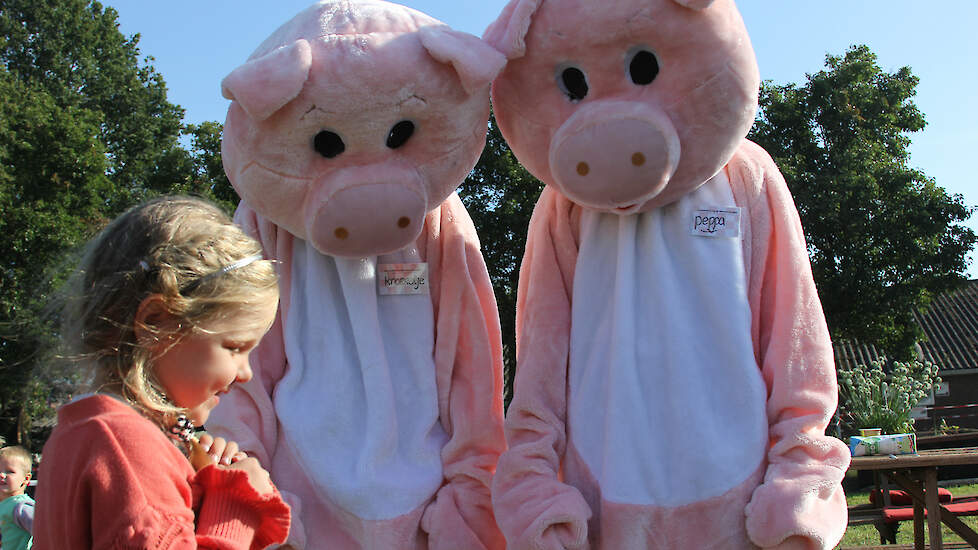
point(544, 495)
point(675, 374)
point(467, 358)
point(353, 71)
point(377, 397)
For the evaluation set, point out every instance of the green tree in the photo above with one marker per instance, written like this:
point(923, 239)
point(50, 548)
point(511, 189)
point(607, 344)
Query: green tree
point(883, 237)
point(85, 132)
point(200, 171)
point(74, 51)
point(499, 195)
point(52, 189)
point(208, 167)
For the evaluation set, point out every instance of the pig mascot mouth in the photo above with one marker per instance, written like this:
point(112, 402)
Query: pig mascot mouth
point(614, 155)
point(366, 210)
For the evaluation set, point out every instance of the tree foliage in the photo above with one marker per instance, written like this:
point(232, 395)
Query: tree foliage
point(73, 49)
point(85, 132)
point(208, 178)
point(883, 237)
point(500, 194)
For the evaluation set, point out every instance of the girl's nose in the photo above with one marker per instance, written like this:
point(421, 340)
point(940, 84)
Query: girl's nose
point(244, 370)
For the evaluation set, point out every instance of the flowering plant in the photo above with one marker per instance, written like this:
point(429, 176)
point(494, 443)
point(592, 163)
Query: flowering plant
point(869, 397)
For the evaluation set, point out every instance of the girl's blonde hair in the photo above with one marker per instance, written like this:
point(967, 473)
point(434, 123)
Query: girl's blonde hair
point(179, 248)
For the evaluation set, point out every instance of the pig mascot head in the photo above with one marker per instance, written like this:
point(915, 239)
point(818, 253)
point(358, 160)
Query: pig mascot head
point(353, 120)
point(628, 105)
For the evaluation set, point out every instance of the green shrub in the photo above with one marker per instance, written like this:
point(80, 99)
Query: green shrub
point(870, 397)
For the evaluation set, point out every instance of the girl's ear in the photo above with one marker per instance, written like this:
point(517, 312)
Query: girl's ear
point(152, 318)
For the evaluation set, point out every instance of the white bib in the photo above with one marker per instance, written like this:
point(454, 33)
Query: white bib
point(358, 402)
point(667, 403)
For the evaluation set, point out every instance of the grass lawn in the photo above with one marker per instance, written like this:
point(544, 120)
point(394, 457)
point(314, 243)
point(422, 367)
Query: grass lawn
point(866, 535)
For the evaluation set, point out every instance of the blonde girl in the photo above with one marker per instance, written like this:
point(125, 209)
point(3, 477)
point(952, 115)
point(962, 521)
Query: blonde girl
point(167, 303)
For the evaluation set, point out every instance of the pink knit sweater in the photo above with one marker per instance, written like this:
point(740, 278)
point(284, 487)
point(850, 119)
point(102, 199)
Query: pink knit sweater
point(111, 479)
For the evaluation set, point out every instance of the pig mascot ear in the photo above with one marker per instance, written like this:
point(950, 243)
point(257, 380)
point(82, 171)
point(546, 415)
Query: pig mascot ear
point(476, 62)
point(264, 85)
point(508, 32)
point(695, 4)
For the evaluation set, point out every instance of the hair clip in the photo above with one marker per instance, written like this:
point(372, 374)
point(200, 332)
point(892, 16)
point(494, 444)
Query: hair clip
point(248, 260)
point(235, 265)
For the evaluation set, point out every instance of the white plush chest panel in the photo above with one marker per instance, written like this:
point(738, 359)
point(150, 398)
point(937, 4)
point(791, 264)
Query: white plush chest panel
point(359, 402)
point(666, 402)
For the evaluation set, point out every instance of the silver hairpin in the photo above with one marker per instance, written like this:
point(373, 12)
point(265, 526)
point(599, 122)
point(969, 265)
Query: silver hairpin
point(226, 269)
point(235, 265)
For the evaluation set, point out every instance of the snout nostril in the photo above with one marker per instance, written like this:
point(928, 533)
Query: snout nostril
point(583, 169)
point(341, 233)
point(403, 222)
point(638, 159)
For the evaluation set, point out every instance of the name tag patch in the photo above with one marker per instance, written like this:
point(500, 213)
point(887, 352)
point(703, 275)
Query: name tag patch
point(716, 222)
point(402, 279)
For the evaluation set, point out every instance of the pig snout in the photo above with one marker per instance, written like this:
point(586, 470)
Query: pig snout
point(364, 215)
point(614, 155)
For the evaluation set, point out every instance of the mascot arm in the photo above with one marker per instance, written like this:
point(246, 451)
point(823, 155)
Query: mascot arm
point(468, 363)
point(800, 503)
point(534, 509)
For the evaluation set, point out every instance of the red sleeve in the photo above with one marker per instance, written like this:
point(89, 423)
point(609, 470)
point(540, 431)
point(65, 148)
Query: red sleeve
point(230, 511)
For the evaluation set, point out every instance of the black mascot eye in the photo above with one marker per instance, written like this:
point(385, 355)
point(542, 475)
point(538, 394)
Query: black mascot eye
point(400, 134)
point(643, 68)
point(328, 144)
point(573, 83)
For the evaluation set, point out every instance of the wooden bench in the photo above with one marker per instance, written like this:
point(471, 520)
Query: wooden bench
point(904, 513)
point(887, 519)
point(917, 474)
point(901, 498)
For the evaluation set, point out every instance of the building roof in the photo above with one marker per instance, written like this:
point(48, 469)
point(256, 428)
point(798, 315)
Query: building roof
point(950, 329)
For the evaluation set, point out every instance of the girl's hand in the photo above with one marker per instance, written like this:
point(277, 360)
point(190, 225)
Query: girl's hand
point(220, 450)
point(257, 476)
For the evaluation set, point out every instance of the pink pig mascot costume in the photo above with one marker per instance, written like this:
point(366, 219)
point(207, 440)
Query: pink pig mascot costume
point(376, 402)
point(675, 375)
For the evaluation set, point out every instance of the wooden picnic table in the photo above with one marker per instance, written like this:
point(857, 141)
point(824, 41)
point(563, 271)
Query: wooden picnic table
point(917, 475)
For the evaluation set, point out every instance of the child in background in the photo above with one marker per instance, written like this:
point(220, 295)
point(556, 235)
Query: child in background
point(167, 303)
point(16, 508)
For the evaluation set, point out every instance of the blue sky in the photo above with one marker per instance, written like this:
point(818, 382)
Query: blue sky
point(196, 43)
